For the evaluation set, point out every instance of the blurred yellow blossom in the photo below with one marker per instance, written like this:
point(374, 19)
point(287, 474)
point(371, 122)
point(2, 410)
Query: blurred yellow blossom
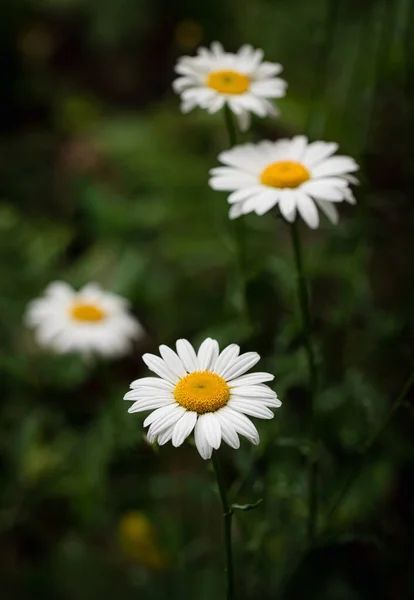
point(139, 541)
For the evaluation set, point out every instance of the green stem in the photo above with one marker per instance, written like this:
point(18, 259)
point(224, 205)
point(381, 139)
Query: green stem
point(306, 323)
point(368, 447)
point(227, 516)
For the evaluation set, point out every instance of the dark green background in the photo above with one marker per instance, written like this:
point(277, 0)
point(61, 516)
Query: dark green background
point(102, 178)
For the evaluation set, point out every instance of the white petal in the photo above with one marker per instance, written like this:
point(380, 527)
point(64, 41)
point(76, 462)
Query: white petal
point(335, 166)
point(298, 146)
point(287, 203)
point(203, 447)
point(187, 355)
point(269, 88)
point(225, 358)
point(210, 426)
point(268, 69)
point(184, 427)
point(307, 209)
point(228, 431)
point(167, 420)
point(241, 423)
point(148, 393)
point(252, 379)
point(244, 120)
point(329, 209)
point(207, 354)
point(158, 366)
point(236, 210)
point(244, 194)
point(230, 183)
point(251, 408)
point(160, 413)
point(266, 202)
point(154, 382)
point(172, 361)
point(150, 404)
point(318, 151)
point(323, 189)
point(165, 435)
point(253, 391)
point(349, 196)
point(240, 365)
point(59, 290)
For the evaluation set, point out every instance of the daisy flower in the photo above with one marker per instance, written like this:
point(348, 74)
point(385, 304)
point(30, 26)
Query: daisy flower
point(242, 80)
point(206, 391)
point(91, 321)
point(294, 174)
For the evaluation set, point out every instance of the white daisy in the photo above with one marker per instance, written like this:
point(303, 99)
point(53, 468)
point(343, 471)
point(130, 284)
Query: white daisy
point(206, 391)
point(243, 81)
point(292, 174)
point(91, 321)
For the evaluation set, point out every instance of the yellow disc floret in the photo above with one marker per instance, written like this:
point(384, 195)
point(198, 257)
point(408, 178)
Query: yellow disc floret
point(285, 174)
point(228, 82)
point(83, 311)
point(202, 392)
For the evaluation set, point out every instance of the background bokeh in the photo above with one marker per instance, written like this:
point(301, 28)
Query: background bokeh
point(102, 179)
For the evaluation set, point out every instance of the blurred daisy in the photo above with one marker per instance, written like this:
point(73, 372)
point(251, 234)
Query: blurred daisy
point(90, 321)
point(293, 174)
point(206, 392)
point(243, 81)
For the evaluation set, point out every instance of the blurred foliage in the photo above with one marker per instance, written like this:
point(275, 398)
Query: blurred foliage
point(103, 179)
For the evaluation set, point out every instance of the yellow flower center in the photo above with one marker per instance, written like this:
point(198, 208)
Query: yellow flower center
point(202, 392)
point(83, 311)
point(284, 174)
point(228, 82)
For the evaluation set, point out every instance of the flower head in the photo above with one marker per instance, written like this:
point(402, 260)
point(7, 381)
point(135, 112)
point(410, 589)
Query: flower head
point(293, 174)
point(206, 392)
point(90, 321)
point(241, 80)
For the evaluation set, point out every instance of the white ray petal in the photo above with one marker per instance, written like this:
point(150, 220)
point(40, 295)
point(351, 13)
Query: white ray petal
point(187, 355)
point(158, 366)
point(228, 431)
point(240, 365)
point(241, 423)
point(307, 209)
point(252, 379)
point(225, 358)
point(172, 361)
point(210, 425)
point(203, 447)
point(251, 408)
point(183, 428)
point(153, 382)
point(150, 404)
point(207, 354)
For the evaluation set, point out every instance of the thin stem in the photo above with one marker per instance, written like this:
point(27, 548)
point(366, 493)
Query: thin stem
point(313, 379)
point(227, 516)
point(369, 445)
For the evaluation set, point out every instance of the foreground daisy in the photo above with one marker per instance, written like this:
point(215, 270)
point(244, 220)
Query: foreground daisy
point(214, 78)
point(293, 174)
point(206, 392)
point(90, 321)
